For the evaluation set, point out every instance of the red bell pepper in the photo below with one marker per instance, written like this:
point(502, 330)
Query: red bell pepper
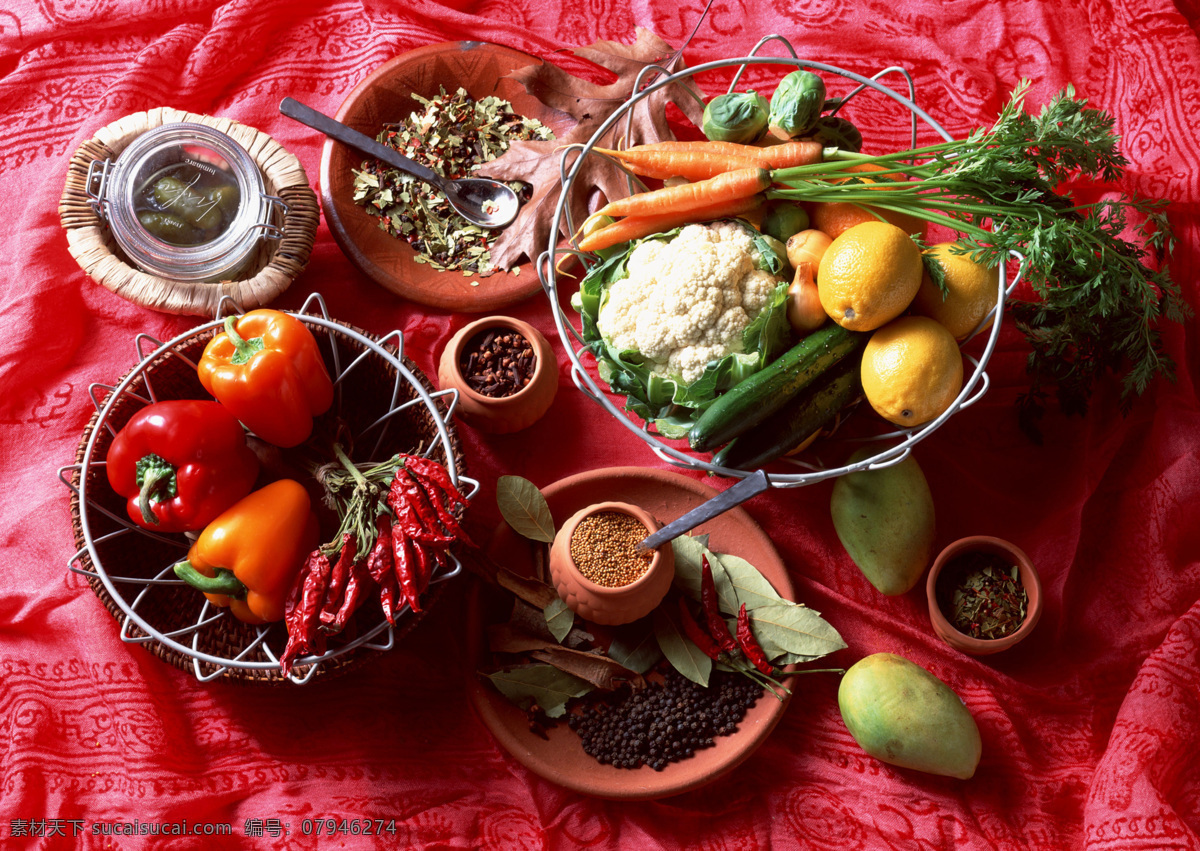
point(267, 369)
point(180, 463)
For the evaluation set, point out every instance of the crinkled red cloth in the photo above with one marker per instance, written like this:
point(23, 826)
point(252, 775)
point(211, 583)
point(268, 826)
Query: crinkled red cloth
point(1089, 728)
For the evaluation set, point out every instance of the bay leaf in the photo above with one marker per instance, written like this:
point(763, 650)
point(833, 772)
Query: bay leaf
point(635, 646)
point(542, 684)
point(787, 628)
point(559, 618)
point(745, 584)
point(680, 650)
point(524, 508)
point(688, 551)
point(601, 671)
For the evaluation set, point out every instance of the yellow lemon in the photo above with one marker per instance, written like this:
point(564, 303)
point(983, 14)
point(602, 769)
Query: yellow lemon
point(911, 370)
point(972, 290)
point(869, 275)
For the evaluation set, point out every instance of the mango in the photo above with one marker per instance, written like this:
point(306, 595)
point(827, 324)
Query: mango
point(885, 520)
point(903, 715)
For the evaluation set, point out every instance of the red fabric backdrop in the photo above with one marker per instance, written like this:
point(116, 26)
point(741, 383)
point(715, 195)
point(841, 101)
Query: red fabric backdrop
point(1089, 728)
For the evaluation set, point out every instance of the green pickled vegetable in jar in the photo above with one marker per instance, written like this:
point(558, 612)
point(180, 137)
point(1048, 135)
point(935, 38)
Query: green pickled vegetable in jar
point(187, 203)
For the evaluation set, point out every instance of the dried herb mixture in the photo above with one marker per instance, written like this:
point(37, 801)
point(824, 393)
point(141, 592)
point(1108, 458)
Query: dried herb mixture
point(454, 136)
point(983, 596)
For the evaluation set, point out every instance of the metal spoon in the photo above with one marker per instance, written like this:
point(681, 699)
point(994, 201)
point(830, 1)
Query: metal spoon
point(484, 202)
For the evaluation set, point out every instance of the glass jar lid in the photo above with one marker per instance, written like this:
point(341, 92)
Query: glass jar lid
point(184, 201)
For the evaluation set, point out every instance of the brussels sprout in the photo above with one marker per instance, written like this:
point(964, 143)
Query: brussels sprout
point(784, 218)
point(834, 131)
point(736, 117)
point(797, 103)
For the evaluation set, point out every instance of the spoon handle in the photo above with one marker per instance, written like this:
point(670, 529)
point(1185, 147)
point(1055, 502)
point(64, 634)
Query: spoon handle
point(309, 117)
point(729, 498)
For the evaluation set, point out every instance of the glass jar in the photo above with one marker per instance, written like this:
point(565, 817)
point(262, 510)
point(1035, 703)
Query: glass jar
point(186, 202)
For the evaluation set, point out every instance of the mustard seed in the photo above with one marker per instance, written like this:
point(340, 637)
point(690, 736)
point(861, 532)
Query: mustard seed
point(603, 548)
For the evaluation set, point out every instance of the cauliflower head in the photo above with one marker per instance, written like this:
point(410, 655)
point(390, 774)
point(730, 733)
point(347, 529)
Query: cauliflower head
point(687, 302)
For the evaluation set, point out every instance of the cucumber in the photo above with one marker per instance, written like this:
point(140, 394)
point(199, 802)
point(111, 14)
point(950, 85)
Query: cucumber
point(788, 427)
point(749, 402)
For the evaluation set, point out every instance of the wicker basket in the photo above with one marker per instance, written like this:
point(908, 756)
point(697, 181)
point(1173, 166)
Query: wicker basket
point(383, 402)
point(272, 271)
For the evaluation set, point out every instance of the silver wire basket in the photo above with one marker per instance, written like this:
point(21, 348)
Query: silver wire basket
point(384, 401)
point(894, 445)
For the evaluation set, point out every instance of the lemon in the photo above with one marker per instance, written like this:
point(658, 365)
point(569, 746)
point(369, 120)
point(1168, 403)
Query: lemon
point(869, 275)
point(972, 290)
point(912, 370)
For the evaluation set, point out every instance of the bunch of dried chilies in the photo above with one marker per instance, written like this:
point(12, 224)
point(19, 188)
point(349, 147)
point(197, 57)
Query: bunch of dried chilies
point(397, 523)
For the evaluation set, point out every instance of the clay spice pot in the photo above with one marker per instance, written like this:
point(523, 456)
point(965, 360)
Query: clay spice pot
point(505, 373)
point(597, 571)
point(968, 556)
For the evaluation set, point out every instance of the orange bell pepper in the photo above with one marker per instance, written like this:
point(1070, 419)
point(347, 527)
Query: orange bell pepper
point(267, 370)
point(248, 558)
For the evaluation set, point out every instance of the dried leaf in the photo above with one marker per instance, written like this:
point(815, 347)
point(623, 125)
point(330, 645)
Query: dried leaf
point(736, 579)
point(533, 591)
point(794, 631)
point(524, 508)
point(680, 651)
point(559, 618)
point(635, 647)
point(545, 685)
point(601, 671)
point(590, 104)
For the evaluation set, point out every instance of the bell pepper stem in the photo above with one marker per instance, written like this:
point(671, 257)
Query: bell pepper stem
point(156, 479)
point(244, 349)
point(224, 582)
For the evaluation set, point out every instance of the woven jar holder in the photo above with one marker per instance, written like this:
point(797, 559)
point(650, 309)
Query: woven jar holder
point(272, 271)
point(375, 405)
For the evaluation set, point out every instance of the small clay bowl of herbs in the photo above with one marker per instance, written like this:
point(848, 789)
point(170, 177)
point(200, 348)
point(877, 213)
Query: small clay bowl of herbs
point(504, 370)
point(451, 107)
point(984, 595)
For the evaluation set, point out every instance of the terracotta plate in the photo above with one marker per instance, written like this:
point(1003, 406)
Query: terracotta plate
point(385, 97)
point(561, 758)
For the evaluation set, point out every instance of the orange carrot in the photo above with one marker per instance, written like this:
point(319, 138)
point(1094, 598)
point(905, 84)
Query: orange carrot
point(691, 164)
point(635, 227)
point(785, 155)
point(726, 187)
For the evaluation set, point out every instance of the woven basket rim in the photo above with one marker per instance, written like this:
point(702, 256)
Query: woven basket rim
point(334, 663)
point(91, 244)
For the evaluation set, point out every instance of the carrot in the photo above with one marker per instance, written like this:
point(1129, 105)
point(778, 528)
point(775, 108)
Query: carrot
point(726, 187)
point(784, 155)
point(692, 164)
point(635, 227)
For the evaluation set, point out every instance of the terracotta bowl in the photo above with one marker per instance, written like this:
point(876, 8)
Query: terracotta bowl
point(500, 414)
point(1029, 579)
point(385, 97)
point(610, 605)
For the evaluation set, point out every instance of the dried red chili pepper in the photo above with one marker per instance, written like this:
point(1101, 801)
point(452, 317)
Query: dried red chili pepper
point(711, 605)
point(697, 635)
point(357, 587)
point(750, 645)
point(405, 569)
point(407, 500)
point(303, 608)
point(339, 575)
point(381, 567)
point(438, 487)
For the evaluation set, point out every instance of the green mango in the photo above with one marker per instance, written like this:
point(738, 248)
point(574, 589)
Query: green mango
point(903, 715)
point(885, 520)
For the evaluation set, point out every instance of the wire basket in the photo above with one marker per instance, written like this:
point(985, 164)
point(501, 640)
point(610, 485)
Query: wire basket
point(386, 405)
point(894, 445)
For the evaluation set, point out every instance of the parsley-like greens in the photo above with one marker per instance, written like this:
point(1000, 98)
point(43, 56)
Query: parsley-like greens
point(1100, 295)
